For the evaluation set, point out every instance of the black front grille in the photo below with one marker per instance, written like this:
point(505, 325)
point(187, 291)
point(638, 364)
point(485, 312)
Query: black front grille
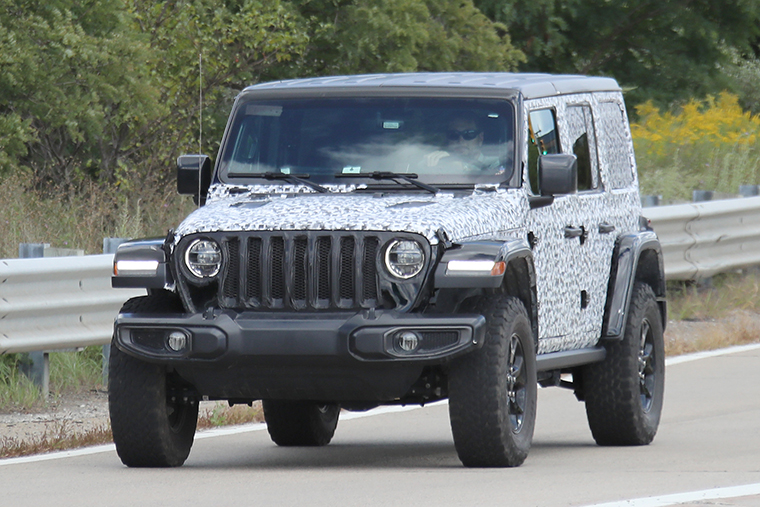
point(300, 271)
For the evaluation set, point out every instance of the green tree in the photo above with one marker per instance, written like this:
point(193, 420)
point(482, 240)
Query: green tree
point(659, 49)
point(72, 86)
point(234, 42)
point(745, 74)
point(375, 36)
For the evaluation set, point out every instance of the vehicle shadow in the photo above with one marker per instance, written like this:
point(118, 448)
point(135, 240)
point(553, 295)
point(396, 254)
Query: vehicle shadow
point(355, 455)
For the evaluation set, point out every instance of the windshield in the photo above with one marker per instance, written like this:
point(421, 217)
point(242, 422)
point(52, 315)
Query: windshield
point(442, 141)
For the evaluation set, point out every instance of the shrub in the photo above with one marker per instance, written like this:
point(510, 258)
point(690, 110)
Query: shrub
point(708, 145)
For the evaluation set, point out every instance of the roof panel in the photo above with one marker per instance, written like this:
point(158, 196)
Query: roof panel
point(530, 85)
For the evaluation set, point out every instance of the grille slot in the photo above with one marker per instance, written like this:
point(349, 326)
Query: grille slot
point(253, 271)
point(232, 280)
point(301, 271)
point(323, 268)
point(346, 276)
point(369, 270)
point(277, 277)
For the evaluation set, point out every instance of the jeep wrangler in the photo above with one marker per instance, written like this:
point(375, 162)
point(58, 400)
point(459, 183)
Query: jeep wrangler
point(399, 239)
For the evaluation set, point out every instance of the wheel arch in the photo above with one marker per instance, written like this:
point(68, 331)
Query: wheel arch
point(518, 278)
point(637, 257)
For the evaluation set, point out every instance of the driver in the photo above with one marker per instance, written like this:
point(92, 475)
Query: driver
point(464, 139)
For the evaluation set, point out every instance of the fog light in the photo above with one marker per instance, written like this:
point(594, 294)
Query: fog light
point(177, 341)
point(408, 341)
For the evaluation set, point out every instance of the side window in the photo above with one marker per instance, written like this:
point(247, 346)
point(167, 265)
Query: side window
point(542, 140)
point(616, 158)
point(581, 137)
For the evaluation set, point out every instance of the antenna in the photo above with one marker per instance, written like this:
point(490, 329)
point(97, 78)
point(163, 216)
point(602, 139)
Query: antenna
point(200, 125)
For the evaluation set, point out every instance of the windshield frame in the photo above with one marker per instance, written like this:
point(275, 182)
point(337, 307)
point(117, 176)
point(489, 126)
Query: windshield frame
point(510, 98)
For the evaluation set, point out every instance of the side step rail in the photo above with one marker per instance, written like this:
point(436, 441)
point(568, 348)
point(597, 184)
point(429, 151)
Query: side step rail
point(569, 358)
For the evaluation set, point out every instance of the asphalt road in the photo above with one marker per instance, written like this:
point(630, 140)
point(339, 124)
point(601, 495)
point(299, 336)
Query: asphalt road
point(709, 438)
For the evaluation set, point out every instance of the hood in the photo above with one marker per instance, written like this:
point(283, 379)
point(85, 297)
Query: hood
point(480, 214)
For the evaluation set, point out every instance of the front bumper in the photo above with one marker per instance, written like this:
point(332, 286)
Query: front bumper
point(333, 356)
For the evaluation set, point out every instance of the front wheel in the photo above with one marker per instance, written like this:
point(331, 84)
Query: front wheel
point(300, 423)
point(493, 391)
point(624, 393)
point(153, 412)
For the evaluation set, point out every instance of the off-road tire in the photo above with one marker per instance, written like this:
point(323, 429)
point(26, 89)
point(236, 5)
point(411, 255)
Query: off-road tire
point(300, 423)
point(493, 417)
point(153, 425)
point(624, 393)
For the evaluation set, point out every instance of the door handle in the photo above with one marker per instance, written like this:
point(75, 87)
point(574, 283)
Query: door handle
point(573, 232)
point(605, 228)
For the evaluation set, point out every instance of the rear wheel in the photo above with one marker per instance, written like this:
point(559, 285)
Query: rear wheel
point(300, 423)
point(624, 393)
point(153, 412)
point(492, 391)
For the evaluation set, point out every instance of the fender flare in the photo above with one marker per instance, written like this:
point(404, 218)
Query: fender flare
point(480, 256)
point(148, 254)
point(637, 257)
point(517, 257)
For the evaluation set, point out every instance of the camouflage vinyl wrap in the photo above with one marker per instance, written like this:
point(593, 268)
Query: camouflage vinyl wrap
point(572, 273)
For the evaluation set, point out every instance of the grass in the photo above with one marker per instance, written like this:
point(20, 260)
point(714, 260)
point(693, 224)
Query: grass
point(70, 372)
point(81, 220)
point(57, 437)
point(61, 436)
point(700, 167)
point(722, 314)
point(725, 294)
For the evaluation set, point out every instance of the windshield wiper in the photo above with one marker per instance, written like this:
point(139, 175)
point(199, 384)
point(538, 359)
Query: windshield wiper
point(291, 178)
point(384, 175)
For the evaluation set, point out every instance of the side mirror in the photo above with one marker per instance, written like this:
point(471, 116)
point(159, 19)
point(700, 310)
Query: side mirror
point(557, 174)
point(194, 176)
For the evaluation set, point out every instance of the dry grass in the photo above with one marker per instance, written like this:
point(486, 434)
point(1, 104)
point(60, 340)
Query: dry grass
point(61, 436)
point(223, 415)
point(58, 437)
point(725, 294)
point(686, 337)
point(81, 220)
point(707, 317)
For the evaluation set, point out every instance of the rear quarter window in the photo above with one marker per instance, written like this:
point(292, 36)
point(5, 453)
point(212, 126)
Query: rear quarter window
point(615, 148)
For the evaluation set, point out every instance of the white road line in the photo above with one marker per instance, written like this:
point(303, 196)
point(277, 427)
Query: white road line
point(693, 496)
point(711, 353)
point(216, 432)
point(246, 428)
point(58, 455)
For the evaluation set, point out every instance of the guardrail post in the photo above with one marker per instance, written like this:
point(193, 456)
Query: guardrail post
point(650, 201)
point(38, 367)
point(110, 245)
point(749, 190)
point(31, 250)
point(38, 370)
point(703, 196)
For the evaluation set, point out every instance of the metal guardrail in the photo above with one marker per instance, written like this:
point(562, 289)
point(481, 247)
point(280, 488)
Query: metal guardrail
point(702, 239)
point(66, 302)
point(58, 302)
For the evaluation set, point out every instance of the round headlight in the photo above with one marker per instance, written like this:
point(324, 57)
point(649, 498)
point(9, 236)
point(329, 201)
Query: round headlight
point(203, 258)
point(404, 258)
